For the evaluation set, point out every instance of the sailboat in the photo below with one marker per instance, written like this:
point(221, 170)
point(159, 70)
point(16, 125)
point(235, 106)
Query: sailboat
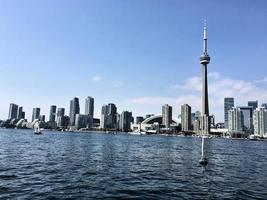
point(37, 128)
point(203, 160)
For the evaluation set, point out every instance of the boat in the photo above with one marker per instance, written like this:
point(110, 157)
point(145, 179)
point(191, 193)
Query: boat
point(204, 159)
point(37, 129)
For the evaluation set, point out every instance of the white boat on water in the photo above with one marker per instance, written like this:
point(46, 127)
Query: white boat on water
point(37, 129)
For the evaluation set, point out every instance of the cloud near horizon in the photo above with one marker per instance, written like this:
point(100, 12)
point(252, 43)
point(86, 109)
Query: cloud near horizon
point(219, 88)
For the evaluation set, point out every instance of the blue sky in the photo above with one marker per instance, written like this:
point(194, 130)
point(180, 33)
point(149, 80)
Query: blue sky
point(138, 54)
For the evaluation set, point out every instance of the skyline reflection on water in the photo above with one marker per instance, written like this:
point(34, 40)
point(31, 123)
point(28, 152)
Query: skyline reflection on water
point(98, 165)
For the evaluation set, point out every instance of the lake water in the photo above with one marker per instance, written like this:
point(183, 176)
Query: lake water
point(97, 165)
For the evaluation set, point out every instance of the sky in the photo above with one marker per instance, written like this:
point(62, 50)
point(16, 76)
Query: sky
point(137, 54)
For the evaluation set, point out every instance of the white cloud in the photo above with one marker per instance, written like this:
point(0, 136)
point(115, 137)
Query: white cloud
point(97, 78)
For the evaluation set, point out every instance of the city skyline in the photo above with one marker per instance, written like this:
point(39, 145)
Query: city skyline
point(130, 70)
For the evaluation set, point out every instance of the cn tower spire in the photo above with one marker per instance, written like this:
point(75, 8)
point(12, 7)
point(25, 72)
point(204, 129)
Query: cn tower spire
point(204, 60)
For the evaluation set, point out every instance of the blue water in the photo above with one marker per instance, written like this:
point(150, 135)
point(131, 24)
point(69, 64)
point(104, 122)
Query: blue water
point(97, 165)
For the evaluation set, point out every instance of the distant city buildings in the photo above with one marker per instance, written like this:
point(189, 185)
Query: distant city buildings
point(74, 109)
point(235, 120)
point(229, 103)
point(186, 117)
point(260, 122)
point(166, 115)
point(83, 121)
point(52, 116)
point(35, 113)
point(108, 118)
point(246, 118)
point(13, 111)
point(139, 119)
point(125, 121)
point(89, 107)
point(253, 104)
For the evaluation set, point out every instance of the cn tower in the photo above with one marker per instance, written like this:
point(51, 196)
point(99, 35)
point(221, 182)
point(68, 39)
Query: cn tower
point(204, 60)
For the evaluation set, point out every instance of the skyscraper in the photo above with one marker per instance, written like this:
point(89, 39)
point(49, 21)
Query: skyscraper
point(60, 117)
point(260, 122)
point(186, 117)
point(74, 109)
point(20, 113)
point(229, 103)
point(108, 118)
point(166, 115)
point(103, 116)
point(35, 113)
point(246, 118)
point(89, 106)
point(125, 121)
point(254, 104)
point(13, 111)
point(204, 60)
point(52, 116)
point(235, 120)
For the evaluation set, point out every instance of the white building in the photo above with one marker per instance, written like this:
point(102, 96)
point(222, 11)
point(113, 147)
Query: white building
point(260, 122)
point(235, 120)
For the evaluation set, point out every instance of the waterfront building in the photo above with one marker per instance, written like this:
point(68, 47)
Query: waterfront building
point(186, 117)
point(82, 121)
point(212, 121)
point(196, 125)
point(42, 118)
point(60, 115)
point(89, 106)
point(229, 103)
point(246, 118)
point(166, 115)
point(235, 121)
point(125, 121)
point(139, 119)
point(74, 109)
point(35, 113)
point(20, 113)
point(13, 111)
point(205, 60)
point(260, 122)
point(108, 118)
point(254, 104)
point(52, 116)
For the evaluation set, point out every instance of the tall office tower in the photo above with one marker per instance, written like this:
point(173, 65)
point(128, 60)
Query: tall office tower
point(186, 117)
point(23, 115)
point(60, 112)
point(229, 103)
point(260, 122)
point(13, 111)
point(112, 116)
point(139, 119)
point(235, 120)
point(254, 104)
point(125, 121)
point(74, 109)
point(20, 113)
point(35, 113)
point(52, 116)
point(204, 60)
point(246, 118)
point(89, 106)
point(264, 105)
point(166, 115)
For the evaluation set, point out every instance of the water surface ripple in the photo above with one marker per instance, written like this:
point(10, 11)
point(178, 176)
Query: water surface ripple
point(58, 165)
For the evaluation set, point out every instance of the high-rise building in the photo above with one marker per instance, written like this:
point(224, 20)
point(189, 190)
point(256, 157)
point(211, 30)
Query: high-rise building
point(260, 122)
point(20, 113)
point(125, 121)
point(89, 106)
point(246, 118)
point(74, 109)
point(13, 111)
point(35, 113)
point(204, 60)
point(235, 120)
point(139, 119)
point(166, 115)
point(229, 103)
point(42, 118)
point(82, 121)
point(108, 118)
point(52, 116)
point(254, 104)
point(186, 117)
